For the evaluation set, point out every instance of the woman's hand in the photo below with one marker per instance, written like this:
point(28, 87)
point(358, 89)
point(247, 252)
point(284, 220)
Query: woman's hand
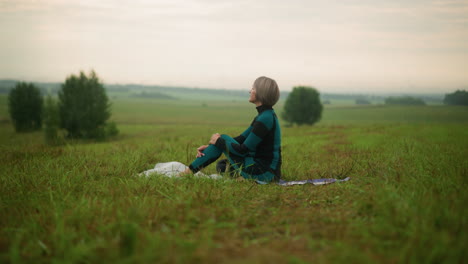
point(199, 151)
point(214, 137)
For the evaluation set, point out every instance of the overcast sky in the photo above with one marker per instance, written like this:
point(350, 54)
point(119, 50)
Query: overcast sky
point(336, 46)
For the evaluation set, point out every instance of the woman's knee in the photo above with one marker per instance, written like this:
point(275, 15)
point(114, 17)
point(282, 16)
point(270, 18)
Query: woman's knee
point(212, 151)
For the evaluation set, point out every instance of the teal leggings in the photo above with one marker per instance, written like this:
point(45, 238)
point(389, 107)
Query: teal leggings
point(244, 166)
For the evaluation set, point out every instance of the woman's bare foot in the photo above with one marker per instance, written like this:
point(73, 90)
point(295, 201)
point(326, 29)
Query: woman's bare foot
point(184, 173)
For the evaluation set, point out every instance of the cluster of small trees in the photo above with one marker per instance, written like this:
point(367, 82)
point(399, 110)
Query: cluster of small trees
point(82, 109)
point(460, 97)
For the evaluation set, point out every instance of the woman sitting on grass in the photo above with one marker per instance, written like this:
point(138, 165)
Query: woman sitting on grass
point(256, 153)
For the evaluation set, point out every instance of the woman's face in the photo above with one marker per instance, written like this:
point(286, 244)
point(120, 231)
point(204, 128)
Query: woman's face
point(252, 98)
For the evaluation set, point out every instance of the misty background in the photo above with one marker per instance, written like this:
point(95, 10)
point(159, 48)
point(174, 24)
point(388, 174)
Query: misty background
point(350, 46)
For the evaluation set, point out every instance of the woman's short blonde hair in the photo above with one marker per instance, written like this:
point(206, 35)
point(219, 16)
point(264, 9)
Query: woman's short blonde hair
point(266, 91)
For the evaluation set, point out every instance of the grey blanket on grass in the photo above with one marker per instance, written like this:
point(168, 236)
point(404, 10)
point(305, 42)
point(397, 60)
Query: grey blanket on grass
point(173, 168)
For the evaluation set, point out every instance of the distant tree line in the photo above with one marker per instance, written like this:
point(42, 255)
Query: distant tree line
point(153, 95)
point(404, 100)
point(130, 89)
point(82, 109)
point(459, 97)
point(7, 85)
point(362, 101)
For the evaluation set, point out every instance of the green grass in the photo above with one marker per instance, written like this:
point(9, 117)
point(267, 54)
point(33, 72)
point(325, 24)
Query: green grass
point(82, 203)
point(395, 114)
point(148, 111)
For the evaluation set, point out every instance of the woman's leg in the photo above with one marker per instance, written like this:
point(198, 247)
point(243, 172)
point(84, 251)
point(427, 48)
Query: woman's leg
point(235, 162)
point(212, 153)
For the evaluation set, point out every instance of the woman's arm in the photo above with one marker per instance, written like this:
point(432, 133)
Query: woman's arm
point(213, 139)
point(257, 132)
point(241, 138)
point(200, 151)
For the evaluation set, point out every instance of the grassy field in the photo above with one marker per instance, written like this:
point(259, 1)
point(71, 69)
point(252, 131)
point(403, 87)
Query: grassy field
point(82, 203)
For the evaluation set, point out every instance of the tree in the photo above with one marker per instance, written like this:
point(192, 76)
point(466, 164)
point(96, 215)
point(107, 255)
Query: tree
point(303, 106)
point(83, 106)
point(457, 98)
point(25, 107)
